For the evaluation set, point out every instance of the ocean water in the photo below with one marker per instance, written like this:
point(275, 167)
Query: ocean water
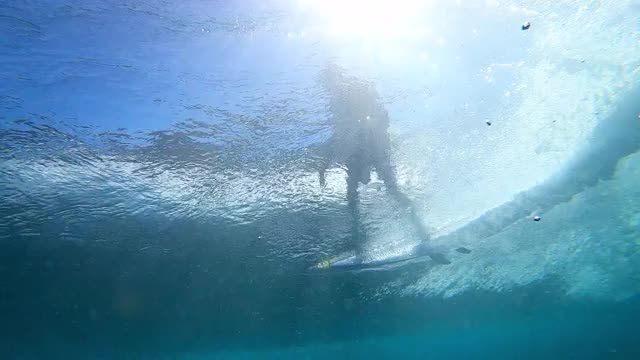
point(159, 194)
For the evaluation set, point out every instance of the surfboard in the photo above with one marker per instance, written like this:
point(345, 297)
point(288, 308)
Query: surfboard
point(353, 264)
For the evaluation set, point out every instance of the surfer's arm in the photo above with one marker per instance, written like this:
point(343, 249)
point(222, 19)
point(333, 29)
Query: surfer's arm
point(326, 159)
point(322, 170)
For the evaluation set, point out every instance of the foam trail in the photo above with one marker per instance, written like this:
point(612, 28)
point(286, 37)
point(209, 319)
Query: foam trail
point(613, 139)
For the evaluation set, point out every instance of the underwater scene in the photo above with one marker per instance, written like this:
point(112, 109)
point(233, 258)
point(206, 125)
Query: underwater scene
point(319, 179)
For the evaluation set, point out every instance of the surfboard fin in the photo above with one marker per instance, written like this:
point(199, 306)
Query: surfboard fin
point(439, 258)
point(463, 250)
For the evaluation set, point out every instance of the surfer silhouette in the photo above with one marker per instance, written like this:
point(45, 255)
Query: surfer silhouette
point(360, 143)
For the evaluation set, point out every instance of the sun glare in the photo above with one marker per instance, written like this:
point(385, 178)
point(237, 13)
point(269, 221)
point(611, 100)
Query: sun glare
point(371, 18)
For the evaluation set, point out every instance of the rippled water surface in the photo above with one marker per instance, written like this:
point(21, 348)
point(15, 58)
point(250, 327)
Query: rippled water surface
point(160, 195)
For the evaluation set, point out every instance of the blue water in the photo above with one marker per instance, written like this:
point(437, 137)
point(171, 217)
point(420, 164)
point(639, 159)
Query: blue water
point(160, 195)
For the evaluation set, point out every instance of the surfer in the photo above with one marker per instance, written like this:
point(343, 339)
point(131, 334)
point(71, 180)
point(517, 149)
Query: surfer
point(360, 142)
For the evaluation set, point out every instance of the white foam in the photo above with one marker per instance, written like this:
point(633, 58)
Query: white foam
point(574, 75)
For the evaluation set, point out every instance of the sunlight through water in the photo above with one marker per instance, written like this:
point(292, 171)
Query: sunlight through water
point(372, 20)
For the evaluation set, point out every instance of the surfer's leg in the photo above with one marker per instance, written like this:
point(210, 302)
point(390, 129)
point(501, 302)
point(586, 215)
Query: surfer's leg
point(387, 174)
point(357, 234)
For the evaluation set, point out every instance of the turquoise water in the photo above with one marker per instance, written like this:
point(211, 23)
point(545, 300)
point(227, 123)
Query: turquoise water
point(161, 198)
